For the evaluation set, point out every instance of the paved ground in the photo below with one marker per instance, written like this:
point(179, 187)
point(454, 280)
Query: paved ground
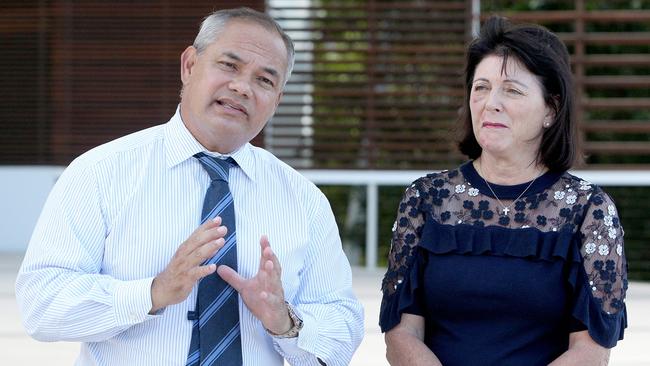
point(19, 349)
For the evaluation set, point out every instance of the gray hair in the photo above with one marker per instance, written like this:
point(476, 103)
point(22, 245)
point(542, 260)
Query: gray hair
point(214, 23)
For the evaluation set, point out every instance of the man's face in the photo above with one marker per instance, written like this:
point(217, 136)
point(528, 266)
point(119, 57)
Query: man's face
point(231, 89)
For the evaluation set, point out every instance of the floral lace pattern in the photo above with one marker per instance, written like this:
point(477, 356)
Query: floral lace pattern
point(564, 204)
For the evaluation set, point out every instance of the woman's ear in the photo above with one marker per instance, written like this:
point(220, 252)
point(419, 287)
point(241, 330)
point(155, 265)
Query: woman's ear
point(548, 120)
point(551, 112)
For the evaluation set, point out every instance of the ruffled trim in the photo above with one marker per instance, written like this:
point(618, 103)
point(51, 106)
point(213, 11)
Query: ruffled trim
point(474, 240)
point(404, 298)
point(530, 243)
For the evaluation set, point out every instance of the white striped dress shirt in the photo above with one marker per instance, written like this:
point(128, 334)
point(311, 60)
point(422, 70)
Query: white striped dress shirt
point(115, 218)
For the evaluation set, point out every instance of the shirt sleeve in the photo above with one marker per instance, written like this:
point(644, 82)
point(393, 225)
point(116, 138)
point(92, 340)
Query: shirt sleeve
point(61, 291)
point(332, 316)
point(401, 282)
point(599, 303)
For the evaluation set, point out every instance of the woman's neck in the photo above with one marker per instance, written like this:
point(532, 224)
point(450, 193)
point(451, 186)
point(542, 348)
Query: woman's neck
point(507, 172)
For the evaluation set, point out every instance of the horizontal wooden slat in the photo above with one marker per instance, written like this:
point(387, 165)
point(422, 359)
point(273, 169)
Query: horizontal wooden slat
point(390, 113)
point(359, 16)
point(541, 16)
point(392, 146)
point(617, 126)
point(611, 38)
point(616, 103)
point(613, 60)
point(618, 147)
point(618, 81)
point(351, 93)
point(378, 6)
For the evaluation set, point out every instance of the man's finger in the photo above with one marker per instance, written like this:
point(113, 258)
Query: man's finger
point(202, 271)
point(206, 251)
point(197, 238)
point(211, 234)
point(264, 242)
point(268, 266)
point(231, 277)
point(269, 255)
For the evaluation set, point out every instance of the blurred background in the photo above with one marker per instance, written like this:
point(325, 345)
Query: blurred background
point(371, 105)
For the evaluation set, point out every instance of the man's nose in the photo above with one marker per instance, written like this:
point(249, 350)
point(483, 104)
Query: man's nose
point(240, 86)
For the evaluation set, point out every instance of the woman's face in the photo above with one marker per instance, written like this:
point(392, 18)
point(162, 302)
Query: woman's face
point(508, 109)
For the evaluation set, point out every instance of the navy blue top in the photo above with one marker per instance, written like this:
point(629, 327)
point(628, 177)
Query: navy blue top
point(506, 289)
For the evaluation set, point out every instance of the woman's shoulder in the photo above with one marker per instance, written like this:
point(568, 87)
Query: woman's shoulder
point(438, 179)
point(570, 184)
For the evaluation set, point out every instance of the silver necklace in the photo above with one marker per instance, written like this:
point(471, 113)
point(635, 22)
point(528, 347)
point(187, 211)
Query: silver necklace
point(506, 209)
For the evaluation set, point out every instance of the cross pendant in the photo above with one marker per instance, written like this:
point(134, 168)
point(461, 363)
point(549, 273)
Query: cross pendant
point(505, 211)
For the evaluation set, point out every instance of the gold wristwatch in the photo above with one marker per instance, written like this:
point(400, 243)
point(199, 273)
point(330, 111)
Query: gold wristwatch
point(294, 330)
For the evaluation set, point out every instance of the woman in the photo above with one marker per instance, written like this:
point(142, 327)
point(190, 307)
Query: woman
point(508, 259)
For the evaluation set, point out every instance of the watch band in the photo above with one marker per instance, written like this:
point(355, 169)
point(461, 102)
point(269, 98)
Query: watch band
point(294, 330)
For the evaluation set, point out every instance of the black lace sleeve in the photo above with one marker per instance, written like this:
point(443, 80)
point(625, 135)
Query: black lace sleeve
point(398, 284)
point(603, 255)
point(605, 271)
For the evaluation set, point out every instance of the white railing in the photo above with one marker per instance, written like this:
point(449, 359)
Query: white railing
point(372, 179)
point(23, 190)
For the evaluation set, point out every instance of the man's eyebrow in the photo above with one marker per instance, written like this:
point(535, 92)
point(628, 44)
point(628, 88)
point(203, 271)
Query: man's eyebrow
point(271, 71)
point(234, 56)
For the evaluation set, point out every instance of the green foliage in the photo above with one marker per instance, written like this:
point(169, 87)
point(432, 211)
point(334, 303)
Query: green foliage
point(389, 198)
point(632, 204)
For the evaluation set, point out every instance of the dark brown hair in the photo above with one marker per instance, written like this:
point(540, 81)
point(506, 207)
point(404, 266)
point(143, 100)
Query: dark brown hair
point(544, 55)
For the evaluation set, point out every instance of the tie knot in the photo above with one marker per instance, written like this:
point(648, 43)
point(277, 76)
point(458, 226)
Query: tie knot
point(217, 168)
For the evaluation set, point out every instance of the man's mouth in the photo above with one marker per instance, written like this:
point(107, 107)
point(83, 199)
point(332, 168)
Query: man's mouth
point(231, 104)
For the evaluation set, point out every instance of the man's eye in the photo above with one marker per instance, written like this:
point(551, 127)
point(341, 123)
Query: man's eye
point(228, 65)
point(266, 81)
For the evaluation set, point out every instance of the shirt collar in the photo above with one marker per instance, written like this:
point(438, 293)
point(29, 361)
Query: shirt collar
point(181, 145)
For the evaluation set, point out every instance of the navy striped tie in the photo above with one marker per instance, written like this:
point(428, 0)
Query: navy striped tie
point(215, 336)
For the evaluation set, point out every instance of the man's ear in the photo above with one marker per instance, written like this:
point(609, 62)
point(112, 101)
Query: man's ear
point(188, 59)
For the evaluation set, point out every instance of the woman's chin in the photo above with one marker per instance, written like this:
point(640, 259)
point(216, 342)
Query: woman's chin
point(494, 147)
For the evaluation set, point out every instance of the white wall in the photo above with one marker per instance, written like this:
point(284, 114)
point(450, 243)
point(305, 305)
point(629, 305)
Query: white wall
point(23, 190)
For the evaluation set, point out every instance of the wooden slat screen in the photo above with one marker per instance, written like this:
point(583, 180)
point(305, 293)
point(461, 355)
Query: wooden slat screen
point(376, 84)
point(23, 91)
point(610, 45)
point(79, 73)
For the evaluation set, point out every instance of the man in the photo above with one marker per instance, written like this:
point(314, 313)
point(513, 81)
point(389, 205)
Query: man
point(117, 262)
